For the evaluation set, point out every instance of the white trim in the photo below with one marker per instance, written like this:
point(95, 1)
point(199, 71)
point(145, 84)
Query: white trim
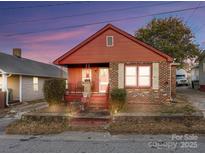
point(155, 75)
point(107, 45)
point(103, 83)
point(121, 75)
point(5, 87)
point(20, 89)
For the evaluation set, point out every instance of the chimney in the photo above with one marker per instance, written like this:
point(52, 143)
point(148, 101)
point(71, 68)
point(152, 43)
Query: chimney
point(17, 52)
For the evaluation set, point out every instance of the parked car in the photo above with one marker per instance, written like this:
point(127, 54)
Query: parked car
point(181, 80)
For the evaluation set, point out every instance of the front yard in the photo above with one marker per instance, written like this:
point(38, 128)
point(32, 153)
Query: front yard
point(147, 119)
point(180, 105)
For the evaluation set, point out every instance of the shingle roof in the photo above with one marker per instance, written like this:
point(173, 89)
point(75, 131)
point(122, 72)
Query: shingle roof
point(23, 66)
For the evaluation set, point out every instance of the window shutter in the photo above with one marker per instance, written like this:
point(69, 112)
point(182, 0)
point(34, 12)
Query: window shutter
point(121, 75)
point(155, 76)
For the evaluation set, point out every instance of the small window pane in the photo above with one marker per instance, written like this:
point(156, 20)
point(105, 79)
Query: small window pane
point(86, 74)
point(144, 81)
point(131, 81)
point(109, 41)
point(144, 70)
point(131, 70)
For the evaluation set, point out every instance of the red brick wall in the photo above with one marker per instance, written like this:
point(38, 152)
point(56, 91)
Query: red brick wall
point(135, 96)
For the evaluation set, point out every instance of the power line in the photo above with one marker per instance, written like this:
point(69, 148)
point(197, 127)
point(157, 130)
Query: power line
point(84, 14)
point(193, 13)
point(38, 6)
point(102, 22)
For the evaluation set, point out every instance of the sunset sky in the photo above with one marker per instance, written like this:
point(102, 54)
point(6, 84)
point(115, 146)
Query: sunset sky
point(46, 30)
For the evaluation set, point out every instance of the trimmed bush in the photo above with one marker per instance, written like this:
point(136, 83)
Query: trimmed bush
point(118, 99)
point(54, 90)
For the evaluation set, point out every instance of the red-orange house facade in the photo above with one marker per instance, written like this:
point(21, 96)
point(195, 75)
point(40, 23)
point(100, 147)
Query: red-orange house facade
point(112, 58)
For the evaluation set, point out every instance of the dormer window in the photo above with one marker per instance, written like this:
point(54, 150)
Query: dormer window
point(109, 41)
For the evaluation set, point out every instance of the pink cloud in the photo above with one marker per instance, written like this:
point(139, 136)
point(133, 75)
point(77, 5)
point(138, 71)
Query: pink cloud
point(56, 36)
point(46, 47)
point(46, 53)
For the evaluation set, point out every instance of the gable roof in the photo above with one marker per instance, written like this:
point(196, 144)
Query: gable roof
point(110, 26)
point(22, 66)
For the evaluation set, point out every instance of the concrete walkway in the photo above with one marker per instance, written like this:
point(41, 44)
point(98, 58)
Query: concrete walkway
point(15, 112)
point(197, 98)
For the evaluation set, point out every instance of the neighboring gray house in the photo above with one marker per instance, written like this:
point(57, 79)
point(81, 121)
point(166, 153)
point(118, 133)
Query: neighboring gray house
point(198, 74)
point(195, 77)
point(202, 72)
point(23, 79)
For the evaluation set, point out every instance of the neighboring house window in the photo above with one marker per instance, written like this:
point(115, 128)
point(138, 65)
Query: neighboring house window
point(86, 74)
point(144, 76)
point(35, 83)
point(131, 76)
point(138, 76)
point(109, 41)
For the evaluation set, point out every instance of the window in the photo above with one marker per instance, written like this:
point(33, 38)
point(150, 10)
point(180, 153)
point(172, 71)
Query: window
point(35, 83)
point(86, 74)
point(109, 41)
point(131, 76)
point(138, 76)
point(144, 76)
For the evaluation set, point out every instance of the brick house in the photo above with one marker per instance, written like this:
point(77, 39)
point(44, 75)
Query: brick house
point(112, 58)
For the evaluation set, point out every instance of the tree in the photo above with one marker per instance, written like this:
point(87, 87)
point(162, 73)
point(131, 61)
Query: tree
point(171, 36)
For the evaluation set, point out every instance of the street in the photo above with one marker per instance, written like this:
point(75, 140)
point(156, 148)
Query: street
point(99, 142)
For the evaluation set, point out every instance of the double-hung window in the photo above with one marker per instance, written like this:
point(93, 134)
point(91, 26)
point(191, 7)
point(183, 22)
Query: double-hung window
point(138, 76)
point(144, 76)
point(131, 76)
point(35, 83)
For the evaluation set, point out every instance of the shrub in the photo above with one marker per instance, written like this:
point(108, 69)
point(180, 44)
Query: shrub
point(54, 90)
point(118, 99)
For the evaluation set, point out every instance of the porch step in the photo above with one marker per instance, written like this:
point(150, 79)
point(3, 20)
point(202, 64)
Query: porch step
point(98, 101)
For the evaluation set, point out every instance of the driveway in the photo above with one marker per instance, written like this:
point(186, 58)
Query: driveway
point(197, 98)
point(100, 142)
point(15, 112)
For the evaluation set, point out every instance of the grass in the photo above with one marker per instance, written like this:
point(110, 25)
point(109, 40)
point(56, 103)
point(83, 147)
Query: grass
point(160, 127)
point(179, 105)
point(157, 127)
point(36, 127)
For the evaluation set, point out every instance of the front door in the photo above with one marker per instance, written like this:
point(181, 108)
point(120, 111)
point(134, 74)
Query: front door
point(103, 80)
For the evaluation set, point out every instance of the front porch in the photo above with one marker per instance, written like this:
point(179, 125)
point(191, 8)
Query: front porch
point(96, 95)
